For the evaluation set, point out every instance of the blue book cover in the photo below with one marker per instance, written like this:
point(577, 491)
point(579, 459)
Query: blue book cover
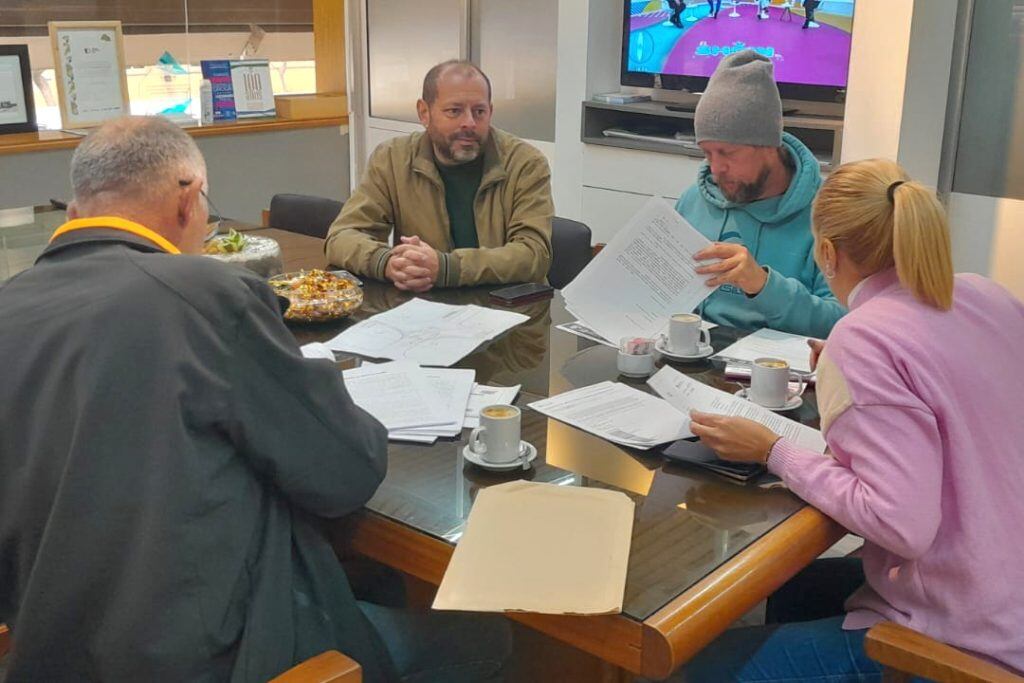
point(218, 72)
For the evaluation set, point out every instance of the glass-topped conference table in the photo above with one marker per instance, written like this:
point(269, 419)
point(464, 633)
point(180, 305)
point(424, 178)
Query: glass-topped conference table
point(705, 550)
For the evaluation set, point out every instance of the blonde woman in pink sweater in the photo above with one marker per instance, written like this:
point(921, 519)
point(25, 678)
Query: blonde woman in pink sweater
point(919, 391)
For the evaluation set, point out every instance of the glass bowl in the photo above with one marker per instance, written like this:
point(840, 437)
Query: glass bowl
point(317, 295)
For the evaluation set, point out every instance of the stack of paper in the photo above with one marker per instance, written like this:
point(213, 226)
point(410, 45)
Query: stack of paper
point(646, 274)
point(426, 332)
point(767, 343)
point(687, 394)
point(541, 548)
point(618, 413)
point(484, 396)
point(414, 403)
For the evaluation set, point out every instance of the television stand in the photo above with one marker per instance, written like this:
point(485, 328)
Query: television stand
point(668, 128)
point(691, 109)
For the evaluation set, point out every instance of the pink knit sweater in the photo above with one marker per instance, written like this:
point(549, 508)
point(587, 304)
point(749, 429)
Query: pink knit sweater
point(923, 412)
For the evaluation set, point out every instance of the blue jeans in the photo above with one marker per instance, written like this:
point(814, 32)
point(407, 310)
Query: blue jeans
point(810, 645)
point(819, 651)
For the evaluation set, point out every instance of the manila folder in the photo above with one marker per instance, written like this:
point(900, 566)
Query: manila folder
point(541, 548)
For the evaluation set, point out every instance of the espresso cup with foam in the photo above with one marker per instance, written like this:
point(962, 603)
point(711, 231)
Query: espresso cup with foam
point(769, 382)
point(685, 334)
point(497, 439)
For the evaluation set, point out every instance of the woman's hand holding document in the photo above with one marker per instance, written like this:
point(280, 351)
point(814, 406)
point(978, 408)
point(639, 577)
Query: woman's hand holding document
point(646, 274)
point(687, 394)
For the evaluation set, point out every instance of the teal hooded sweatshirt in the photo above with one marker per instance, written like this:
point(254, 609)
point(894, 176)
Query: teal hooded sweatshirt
point(777, 231)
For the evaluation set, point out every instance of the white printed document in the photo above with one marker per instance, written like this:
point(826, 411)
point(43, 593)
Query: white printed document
point(766, 343)
point(397, 394)
point(451, 388)
point(646, 274)
point(618, 413)
point(686, 394)
point(426, 332)
point(484, 396)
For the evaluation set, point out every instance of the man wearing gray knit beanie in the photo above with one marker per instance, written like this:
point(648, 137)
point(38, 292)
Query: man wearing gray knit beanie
point(753, 200)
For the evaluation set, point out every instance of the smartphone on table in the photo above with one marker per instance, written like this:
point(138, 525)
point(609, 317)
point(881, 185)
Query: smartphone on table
point(521, 294)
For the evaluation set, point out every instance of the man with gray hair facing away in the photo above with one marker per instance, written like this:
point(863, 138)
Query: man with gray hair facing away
point(167, 451)
point(753, 200)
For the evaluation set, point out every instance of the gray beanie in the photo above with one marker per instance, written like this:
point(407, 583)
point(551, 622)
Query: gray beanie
point(741, 103)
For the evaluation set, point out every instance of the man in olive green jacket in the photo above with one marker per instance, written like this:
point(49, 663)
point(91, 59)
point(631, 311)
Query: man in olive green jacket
point(469, 204)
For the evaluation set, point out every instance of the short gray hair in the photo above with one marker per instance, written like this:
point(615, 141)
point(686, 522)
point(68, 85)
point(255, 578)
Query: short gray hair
point(130, 156)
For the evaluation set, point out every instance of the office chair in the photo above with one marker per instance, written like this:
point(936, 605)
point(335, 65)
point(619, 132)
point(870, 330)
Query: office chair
point(570, 251)
point(303, 214)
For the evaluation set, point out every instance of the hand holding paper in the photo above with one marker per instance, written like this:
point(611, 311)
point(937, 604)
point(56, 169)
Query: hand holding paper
point(733, 438)
point(646, 274)
point(736, 267)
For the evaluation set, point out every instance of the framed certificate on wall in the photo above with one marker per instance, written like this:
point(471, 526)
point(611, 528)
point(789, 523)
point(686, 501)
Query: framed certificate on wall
point(17, 108)
point(89, 61)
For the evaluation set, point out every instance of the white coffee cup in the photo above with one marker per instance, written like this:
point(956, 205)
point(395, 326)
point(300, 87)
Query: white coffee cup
point(769, 382)
point(685, 334)
point(500, 427)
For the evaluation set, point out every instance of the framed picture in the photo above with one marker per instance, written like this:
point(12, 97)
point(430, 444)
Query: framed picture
point(17, 107)
point(89, 61)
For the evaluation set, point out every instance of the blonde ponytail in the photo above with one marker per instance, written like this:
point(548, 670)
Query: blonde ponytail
point(879, 218)
point(921, 245)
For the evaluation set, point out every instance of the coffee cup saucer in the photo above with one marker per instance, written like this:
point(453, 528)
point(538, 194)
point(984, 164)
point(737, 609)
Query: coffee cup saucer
point(791, 404)
point(525, 448)
point(704, 350)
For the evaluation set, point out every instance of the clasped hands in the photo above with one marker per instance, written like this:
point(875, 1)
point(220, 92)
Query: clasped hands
point(738, 438)
point(413, 265)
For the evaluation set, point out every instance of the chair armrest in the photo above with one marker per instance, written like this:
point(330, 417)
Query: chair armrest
point(5, 640)
point(898, 647)
point(327, 667)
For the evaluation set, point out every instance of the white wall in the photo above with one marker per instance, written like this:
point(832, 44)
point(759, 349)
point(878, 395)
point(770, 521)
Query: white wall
point(902, 116)
point(988, 238)
point(874, 94)
point(899, 79)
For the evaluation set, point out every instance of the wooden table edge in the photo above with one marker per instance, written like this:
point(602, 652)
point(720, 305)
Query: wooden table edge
point(683, 627)
point(614, 638)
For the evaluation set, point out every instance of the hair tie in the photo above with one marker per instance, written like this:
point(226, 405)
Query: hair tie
point(892, 190)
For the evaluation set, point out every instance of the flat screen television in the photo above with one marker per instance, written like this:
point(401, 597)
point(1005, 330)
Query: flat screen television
point(682, 43)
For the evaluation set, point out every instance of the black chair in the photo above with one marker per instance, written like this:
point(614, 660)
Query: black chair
point(570, 251)
point(303, 214)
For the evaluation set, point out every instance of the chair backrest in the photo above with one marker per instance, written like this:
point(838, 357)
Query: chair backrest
point(327, 667)
point(303, 213)
point(570, 251)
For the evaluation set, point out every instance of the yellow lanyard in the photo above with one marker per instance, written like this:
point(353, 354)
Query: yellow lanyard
point(115, 223)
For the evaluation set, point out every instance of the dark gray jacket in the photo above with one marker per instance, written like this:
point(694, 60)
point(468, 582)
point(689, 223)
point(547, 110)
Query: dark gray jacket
point(164, 452)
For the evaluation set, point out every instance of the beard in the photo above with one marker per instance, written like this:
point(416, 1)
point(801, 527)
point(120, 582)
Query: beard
point(450, 147)
point(451, 150)
point(747, 192)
